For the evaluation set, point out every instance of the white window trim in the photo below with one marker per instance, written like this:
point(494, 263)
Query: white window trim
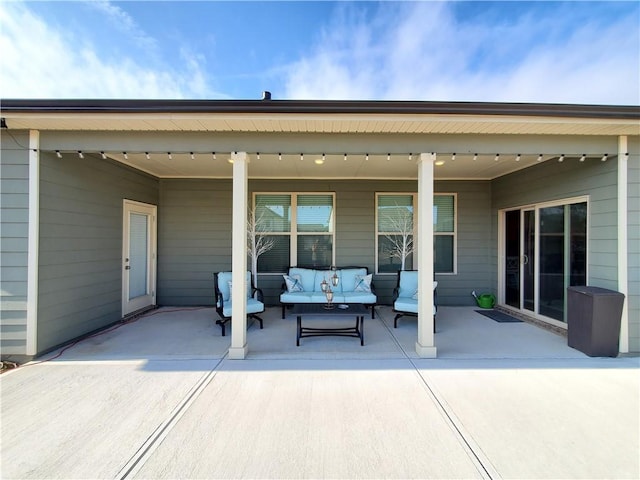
point(414, 196)
point(454, 233)
point(293, 233)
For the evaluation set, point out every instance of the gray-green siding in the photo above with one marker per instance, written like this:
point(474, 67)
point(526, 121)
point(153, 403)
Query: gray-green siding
point(81, 235)
point(555, 181)
point(194, 221)
point(14, 242)
point(81, 216)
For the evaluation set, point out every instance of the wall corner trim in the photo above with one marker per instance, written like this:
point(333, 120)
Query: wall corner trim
point(33, 243)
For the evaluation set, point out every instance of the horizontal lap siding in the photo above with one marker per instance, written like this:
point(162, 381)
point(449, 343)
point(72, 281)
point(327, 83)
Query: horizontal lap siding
point(80, 278)
point(194, 231)
point(14, 243)
point(195, 236)
point(475, 269)
point(555, 181)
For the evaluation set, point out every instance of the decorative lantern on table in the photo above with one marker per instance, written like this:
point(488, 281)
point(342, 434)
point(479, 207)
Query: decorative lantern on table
point(329, 295)
point(335, 279)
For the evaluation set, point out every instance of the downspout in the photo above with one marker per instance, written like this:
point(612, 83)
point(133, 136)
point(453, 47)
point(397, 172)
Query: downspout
point(623, 240)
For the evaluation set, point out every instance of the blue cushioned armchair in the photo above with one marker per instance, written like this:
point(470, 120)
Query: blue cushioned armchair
point(222, 287)
point(405, 296)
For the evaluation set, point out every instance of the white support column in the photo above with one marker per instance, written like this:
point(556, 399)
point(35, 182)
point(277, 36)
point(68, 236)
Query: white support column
point(239, 349)
point(33, 242)
point(623, 240)
point(425, 346)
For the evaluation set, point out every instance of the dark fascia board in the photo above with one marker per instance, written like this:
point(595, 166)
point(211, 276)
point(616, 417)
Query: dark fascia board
point(319, 107)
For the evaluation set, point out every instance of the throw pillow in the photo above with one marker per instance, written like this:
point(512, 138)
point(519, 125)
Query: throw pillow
point(294, 283)
point(363, 283)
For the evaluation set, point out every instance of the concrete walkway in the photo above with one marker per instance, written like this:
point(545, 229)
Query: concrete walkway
point(159, 399)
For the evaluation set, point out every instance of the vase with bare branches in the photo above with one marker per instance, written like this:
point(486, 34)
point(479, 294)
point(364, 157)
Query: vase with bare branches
point(398, 223)
point(258, 241)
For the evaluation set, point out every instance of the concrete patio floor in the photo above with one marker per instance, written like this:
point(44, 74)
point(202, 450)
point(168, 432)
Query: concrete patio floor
point(157, 398)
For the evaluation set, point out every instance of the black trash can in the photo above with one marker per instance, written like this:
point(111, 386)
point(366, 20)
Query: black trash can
point(593, 320)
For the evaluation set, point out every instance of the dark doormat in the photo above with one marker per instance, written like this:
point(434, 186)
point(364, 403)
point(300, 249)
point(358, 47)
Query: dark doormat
point(498, 316)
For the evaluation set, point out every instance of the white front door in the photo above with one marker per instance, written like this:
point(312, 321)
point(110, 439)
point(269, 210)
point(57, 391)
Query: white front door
point(138, 256)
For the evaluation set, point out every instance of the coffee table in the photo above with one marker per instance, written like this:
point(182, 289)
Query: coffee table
point(320, 312)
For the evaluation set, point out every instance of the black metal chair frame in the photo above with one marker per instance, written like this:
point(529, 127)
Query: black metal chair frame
point(219, 303)
point(399, 314)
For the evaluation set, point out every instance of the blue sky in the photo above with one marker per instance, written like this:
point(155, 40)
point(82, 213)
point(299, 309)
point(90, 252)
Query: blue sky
point(560, 52)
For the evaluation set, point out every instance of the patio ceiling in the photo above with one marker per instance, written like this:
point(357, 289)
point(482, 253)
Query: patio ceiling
point(356, 166)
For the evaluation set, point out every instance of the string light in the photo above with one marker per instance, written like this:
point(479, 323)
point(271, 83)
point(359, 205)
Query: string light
point(518, 156)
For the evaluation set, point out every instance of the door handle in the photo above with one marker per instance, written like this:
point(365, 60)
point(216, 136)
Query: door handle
point(525, 259)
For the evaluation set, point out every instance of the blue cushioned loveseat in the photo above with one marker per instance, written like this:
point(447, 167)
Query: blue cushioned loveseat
point(304, 285)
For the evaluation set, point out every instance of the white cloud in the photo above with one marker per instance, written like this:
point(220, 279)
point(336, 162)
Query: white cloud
point(39, 61)
point(421, 51)
point(124, 23)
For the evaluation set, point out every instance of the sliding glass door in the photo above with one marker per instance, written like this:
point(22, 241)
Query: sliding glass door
point(545, 251)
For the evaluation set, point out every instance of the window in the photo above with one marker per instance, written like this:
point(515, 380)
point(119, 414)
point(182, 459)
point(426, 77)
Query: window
point(395, 232)
point(301, 227)
point(395, 228)
point(444, 231)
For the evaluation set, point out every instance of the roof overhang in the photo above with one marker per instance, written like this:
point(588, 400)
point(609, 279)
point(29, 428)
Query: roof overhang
point(410, 119)
point(322, 116)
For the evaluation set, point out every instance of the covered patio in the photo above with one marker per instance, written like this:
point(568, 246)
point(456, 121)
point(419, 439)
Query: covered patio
point(190, 333)
point(188, 172)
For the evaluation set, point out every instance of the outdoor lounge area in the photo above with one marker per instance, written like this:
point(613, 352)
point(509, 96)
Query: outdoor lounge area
point(300, 411)
point(462, 333)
